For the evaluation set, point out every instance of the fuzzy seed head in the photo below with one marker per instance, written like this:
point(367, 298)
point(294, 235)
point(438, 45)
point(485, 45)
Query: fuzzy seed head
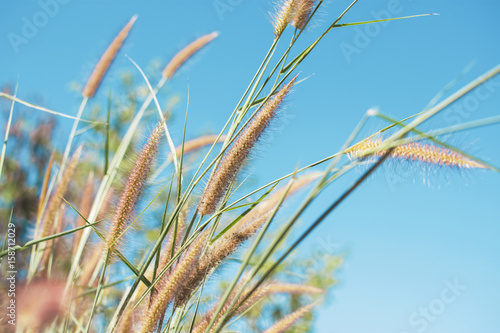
point(56, 199)
point(180, 58)
point(89, 265)
point(174, 286)
point(106, 60)
point(302, 11)
point(133, 189)
point(418, 152)
point(242, 305)
point(198, 143)
point(85, 207)
point(51, 246)
point(272, 288)
point(126, 320)
point(248, 226)
point(238, 153)
point(286, 322)
point(283, 17)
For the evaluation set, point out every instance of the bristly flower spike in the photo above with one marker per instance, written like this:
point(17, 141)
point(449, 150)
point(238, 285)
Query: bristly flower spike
point(57, 197)
point(302, 11)
point(238, 153)
point(416, 151)
point(169, 288)
point(283, 17)
point(180, 58)
point(106, 60)
point(133, 189)
point(286, 322)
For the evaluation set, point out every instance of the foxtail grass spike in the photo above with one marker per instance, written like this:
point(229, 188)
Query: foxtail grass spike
point(133, 189)
point(168, 289)
point(238, 153)
point(59, 192)
point(283, 17)
point(286, 322)
point(106, 60)
point(302, 11)
point(247, 227)
point(419, 152)
point(180, 58)
point(272, 288)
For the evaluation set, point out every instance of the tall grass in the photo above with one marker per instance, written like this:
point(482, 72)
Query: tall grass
point(119, 275)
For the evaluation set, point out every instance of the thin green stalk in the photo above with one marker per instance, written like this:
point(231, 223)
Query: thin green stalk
point(29, 244)
point(72, 135)
point(7, 131)
point(97, 293)
point(432, 136)
point(41, 108)
point(447, 102)
point(162, 118)
point(106, 144)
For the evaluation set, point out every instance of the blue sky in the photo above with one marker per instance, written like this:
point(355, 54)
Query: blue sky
point(408, 242)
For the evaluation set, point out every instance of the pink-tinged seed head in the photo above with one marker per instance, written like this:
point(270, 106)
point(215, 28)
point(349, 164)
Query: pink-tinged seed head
point(240, 150)
point(180, 58)
point(106, 60)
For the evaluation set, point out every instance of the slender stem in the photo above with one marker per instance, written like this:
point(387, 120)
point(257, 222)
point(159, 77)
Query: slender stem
point(72, 134)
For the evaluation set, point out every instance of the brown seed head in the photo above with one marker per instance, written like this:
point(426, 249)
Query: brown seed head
point(238, 153)
point(283, 17)
point(180, 58)
point(133, 189)
point(59, 192)
point(272, 288)
point(198, 143)
point(106, 60)
point(302, 11)
point(171, 288)
point(416, 151)
point(286, 322)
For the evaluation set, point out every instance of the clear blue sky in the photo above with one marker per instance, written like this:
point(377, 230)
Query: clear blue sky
point(407, 241)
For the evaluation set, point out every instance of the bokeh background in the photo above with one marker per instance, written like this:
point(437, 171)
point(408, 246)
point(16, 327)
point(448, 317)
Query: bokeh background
point(407, 234)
